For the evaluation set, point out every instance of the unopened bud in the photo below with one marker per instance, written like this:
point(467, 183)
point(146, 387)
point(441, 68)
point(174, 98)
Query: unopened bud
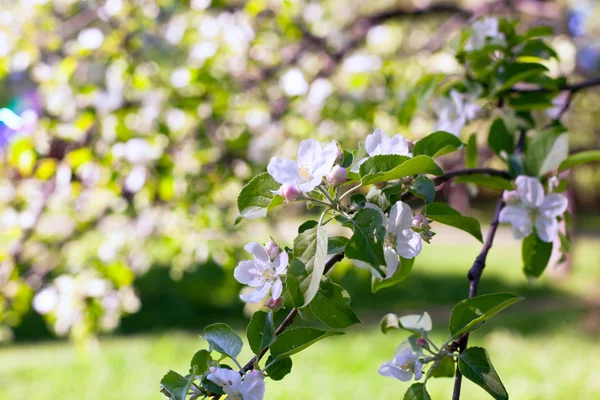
point(419, 222)
point(510, 196)
point(289, 192)
point(426, 235)
point(410, 144)
point(337, 175)
point(272, 248)
point(274, 304)
point(553, 182)
point(422, 342)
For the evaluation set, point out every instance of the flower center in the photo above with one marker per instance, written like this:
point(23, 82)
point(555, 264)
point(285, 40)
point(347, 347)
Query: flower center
point(304, 173)
point(533, 213)
point(390, 240)
point(409, 365)
point(268, 275)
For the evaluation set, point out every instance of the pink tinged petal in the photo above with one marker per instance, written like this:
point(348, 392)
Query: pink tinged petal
point(401, 217)
point(409, 244)
point(516, 215)
point(253, 387)
point(277, 289)
point(257, 294)
point(281, 263)
point(247, 273)
point(547, 228)
point(259, 252)
point(391, 261)
point(375, 142)
point(553, 205)
point(530, 191)
point(309, 152)
point(283, 170)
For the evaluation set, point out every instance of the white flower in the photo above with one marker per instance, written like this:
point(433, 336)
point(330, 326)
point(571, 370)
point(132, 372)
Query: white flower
point(379, 143)
point(251, 388)
point(484, 29)
point(400, 239)
point(402, 367)
point(453, 113)
point(261, 273)
point(533, 209)
point(308, 172)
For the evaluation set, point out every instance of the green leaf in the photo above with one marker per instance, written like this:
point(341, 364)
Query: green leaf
point(295, 340)
point(424, 188)
point(547, 151)
point(444, 368)
point(417, 391)
point(538, 31)
point(337, 244)
point(536, 254)
point(261, 331)
point(500, 139)
point(470, 313)
point(366, 244)
point(471, 157)
point(417, 97)
point(310, 247)
point(223, 339)
point(437, 144)
point(201, 361)
point(579, 158)
point(518, 72)
point(418, 324)
point(474, 363)
point(378, 197)
point(538, 48)
point(176, 385)
point(256, 198)
point(388, 322)
point(296, 274)
point(383, 168)
point(492, 182)
point(277, 370)
point(406, 265)
point(526, 101)
point(445, 214)
point(331, 306)
point(311, 223)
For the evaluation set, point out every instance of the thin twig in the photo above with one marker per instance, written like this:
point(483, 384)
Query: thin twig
point(573, 87)
point(470, 171)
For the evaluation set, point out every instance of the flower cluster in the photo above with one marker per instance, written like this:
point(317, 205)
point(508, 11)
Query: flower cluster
point(251, 387)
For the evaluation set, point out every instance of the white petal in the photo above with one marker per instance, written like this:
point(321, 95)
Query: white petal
point(307, 187)
point(400, 373)
point(253, 387)
point(409, 243)
point(516, 215)
point(281, 263)
point(553, 205)
point(356, 167)
point(520, 232)
point(247, 273)
point(326, 159)
point(223, 376)
point(458, 101)
point(401, 217)
point(397, 145)
point(384, 369)
point(276, 289)
point(418, 370)
point(257, 294)
point(547, 228)
point(375, 142)
point(259, 252)
point(391, 260)
point(309, 152)
point(530, 191)
point(283, 170)
point(384, 219)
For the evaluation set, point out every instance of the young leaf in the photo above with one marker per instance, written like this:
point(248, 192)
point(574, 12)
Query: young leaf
point(336, 244)
point(261, 331)
point(492, 182)
point(256, 198)
point(279, 369)
point(424, 188)
point(445, 214)
point(331, 306)
point(474, 363)
point(417, 324)
point(417, 391)
point(223, 339)
point(536, 254)
point(295, 340)
point(383, 168)
point(471, 157)
point(518, 72)
point(470, 313)
point(201, 361)
point(310, 247)
point(296, 274)
point(444, 368)
point(366, 244)
point(401, 273)
point(547, 151)
point(500, 139)
point(437, 144)
point(176, 385)
point(579, 158)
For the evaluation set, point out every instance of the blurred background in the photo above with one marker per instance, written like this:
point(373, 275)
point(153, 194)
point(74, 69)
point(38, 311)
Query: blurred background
point(142, 119)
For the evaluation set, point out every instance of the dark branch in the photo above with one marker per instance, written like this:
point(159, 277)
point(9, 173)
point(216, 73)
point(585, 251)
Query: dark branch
point(573, 87)
point(471, 171)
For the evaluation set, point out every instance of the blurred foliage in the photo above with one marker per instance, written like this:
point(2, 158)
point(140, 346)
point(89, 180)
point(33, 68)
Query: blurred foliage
point(151, 114)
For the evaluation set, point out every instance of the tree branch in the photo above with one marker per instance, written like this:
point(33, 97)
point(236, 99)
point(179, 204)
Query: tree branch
point(471, 171)
point(572, 87)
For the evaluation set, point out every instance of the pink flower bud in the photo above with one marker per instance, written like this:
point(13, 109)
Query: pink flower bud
point(337, 175)
point(272, 248)
point(289, 192)
point(422, 342)
point(510, 196)
point(274, 304)
point(419, 222)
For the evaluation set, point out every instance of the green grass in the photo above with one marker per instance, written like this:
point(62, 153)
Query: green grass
point(542, 348)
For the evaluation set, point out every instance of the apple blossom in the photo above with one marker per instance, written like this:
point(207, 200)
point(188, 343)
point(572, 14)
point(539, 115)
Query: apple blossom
point(483, 30)
point(310, 169)
point(402, 367)
point(252, 387)
point(453, 112)
point(400, 238)
point(534, 209)
point(419, 222)
point(337, 175)
point(379, 143)
point(289, 192)
point(274, 304)
point(261, 273)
